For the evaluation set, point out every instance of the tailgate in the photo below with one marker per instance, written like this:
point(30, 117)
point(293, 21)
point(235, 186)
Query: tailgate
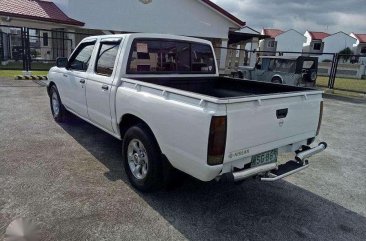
point(270, 122)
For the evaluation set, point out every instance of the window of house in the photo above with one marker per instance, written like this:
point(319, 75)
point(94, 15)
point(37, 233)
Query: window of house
point(271, 44)
point(363, 50)
point(45, 39)
point(81, 58)
point(317, 46)
point(106, 58)
point(167, 56)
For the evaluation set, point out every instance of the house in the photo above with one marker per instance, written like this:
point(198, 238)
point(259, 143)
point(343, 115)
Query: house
point(282, 41)
point(196, 18)
point(326, 44)
point(40, 17)
point(314, 42)
point(269, 44)
point(243, 44)
point(359, 47)
point(337, 42)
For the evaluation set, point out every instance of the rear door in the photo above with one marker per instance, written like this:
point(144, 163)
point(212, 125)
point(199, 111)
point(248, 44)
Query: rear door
point(75, 78)
point(258, 126)
point(99, 86)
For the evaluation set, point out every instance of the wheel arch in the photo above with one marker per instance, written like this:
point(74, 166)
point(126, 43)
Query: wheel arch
point(128, 120)
point(50, 84)
point(277, 76)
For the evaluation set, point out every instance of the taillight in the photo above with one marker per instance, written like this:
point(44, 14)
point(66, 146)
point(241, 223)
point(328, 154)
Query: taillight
point(320, 118)
point(216, 141)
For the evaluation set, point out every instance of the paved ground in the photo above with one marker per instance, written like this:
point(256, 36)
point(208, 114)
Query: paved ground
point(69, 179)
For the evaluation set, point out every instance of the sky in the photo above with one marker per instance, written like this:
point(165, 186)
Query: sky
point(316, 15)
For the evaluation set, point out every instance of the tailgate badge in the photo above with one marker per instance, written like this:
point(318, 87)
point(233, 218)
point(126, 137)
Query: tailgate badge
point(238, 153)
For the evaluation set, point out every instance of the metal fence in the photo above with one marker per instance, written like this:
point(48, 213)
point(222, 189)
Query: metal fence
point(34, 49)
point(335, 71)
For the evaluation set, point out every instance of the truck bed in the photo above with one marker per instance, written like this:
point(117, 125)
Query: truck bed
point(222, 87)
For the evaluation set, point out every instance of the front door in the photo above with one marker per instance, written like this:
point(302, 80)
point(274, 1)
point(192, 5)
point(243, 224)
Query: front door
point(76, 78)
point(100, 82)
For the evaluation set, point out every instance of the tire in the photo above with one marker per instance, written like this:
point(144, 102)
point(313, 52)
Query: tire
point(238, 75)
point(59, 112)
point(276, 80)
point(142, 159)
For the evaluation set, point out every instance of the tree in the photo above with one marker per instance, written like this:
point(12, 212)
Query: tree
point(346, 54)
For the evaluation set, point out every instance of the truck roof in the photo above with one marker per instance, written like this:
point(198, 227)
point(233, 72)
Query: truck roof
point(149, 35)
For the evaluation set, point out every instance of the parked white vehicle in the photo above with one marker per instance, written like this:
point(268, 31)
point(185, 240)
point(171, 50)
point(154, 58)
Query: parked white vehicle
point(162, 95)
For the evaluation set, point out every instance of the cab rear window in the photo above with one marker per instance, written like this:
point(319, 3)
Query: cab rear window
point(149, 56)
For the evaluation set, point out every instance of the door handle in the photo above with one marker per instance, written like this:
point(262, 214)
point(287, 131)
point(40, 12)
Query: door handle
point(105, 87)
point(82, 81)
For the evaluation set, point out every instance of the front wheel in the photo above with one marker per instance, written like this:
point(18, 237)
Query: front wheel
point(142, 159)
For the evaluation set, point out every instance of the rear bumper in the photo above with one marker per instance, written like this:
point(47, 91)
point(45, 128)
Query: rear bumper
point(272, 172)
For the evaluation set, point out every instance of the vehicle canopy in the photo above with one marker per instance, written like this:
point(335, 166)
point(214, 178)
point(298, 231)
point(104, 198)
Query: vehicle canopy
point(291, 64)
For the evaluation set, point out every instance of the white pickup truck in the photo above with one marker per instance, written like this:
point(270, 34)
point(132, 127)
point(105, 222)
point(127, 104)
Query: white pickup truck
point(163, 96)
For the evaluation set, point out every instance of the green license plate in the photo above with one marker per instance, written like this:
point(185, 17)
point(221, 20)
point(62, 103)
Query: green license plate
point(264, 158)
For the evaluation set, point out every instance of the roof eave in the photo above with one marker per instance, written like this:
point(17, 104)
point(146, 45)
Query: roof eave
point(222, 11)
point(68, 22)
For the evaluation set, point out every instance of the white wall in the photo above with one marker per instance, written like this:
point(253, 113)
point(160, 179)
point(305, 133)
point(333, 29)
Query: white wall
point(290, 40)
point(337, 42)
point(264, 46)
point(182, 17)
point(308, 39)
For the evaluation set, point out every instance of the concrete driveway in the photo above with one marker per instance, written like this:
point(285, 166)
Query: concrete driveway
point(69, 180)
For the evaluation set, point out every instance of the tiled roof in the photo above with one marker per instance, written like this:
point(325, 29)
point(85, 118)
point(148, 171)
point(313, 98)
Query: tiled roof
point(318, 35)
point(224, 12)
point(361, 37)
point(36, 10)
point(272, 32)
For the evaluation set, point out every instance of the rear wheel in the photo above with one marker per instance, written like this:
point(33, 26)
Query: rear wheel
point(59, 112)
point(142, 159)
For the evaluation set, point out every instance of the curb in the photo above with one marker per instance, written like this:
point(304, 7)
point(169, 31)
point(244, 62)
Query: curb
point(31, 77)
point(344, 98)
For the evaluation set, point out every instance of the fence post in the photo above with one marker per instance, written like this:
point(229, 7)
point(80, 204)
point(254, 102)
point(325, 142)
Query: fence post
point(337, 56)
point(22, 37)
point(29, 58)
point(331, 72)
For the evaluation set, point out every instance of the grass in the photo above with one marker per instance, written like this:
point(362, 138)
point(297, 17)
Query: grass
point(343, 83)
point(13, 73)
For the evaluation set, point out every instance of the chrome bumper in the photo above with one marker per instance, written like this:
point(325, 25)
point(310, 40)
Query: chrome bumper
point(272, 172)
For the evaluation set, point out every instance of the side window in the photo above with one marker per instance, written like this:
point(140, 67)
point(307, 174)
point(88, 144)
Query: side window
point(272, 65)
point(80, 60)
point(106, 57)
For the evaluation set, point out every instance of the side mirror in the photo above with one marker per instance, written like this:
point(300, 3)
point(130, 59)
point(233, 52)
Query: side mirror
point(61, 62)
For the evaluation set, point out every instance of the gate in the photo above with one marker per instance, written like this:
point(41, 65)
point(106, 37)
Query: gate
point(35, 49)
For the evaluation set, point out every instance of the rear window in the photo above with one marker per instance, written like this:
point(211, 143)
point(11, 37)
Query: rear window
point(165, 56)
